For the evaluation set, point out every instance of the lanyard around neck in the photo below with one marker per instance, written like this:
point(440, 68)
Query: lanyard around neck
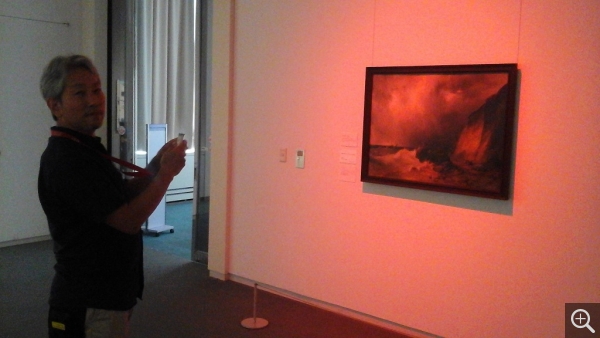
point(139, 171)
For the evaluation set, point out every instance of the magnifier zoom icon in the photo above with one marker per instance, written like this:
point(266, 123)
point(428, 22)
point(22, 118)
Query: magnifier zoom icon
point(581, 319)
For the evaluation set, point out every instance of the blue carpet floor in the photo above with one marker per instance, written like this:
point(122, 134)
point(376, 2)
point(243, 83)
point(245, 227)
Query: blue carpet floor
point(178, 243)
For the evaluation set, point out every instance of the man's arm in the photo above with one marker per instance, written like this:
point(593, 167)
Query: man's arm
point(129, 217)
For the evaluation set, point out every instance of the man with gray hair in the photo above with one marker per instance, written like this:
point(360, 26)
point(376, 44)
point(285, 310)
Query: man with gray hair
point(94, 214)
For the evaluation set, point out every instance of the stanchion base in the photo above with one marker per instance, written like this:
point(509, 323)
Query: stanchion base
point(254, 323)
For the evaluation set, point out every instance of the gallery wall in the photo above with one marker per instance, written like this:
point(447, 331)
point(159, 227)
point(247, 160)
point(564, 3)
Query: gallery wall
point(31, 33)
point(424, 262)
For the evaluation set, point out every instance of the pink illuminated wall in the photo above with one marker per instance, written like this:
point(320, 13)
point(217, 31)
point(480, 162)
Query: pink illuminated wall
point(444, 264)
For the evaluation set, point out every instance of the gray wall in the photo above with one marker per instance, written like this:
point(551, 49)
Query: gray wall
point(31, 33)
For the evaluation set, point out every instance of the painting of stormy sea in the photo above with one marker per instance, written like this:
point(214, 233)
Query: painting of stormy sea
point(442, 130)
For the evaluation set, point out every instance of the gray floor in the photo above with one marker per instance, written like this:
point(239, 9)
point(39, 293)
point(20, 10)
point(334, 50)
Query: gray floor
point(179, 243)
point(180, 301)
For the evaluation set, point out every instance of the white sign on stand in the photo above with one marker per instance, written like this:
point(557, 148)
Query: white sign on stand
point(156, 137)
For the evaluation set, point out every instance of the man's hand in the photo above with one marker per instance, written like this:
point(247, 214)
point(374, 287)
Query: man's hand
point(155, 163)
point(172, 158)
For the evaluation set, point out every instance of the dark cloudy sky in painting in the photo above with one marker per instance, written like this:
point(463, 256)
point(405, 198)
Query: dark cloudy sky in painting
point(426, 110)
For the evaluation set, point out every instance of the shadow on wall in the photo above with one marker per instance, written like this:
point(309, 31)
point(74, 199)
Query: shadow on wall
point(453, 200)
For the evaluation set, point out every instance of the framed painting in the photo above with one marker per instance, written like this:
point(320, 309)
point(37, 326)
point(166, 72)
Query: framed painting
point(442, 128)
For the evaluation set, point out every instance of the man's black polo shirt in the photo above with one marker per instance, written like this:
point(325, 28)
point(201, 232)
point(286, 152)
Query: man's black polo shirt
point(97, 266)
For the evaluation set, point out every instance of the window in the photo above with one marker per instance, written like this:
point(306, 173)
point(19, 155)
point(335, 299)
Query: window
point(166, 68)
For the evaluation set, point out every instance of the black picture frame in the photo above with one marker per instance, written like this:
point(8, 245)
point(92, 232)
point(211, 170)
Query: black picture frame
point(445, 128)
